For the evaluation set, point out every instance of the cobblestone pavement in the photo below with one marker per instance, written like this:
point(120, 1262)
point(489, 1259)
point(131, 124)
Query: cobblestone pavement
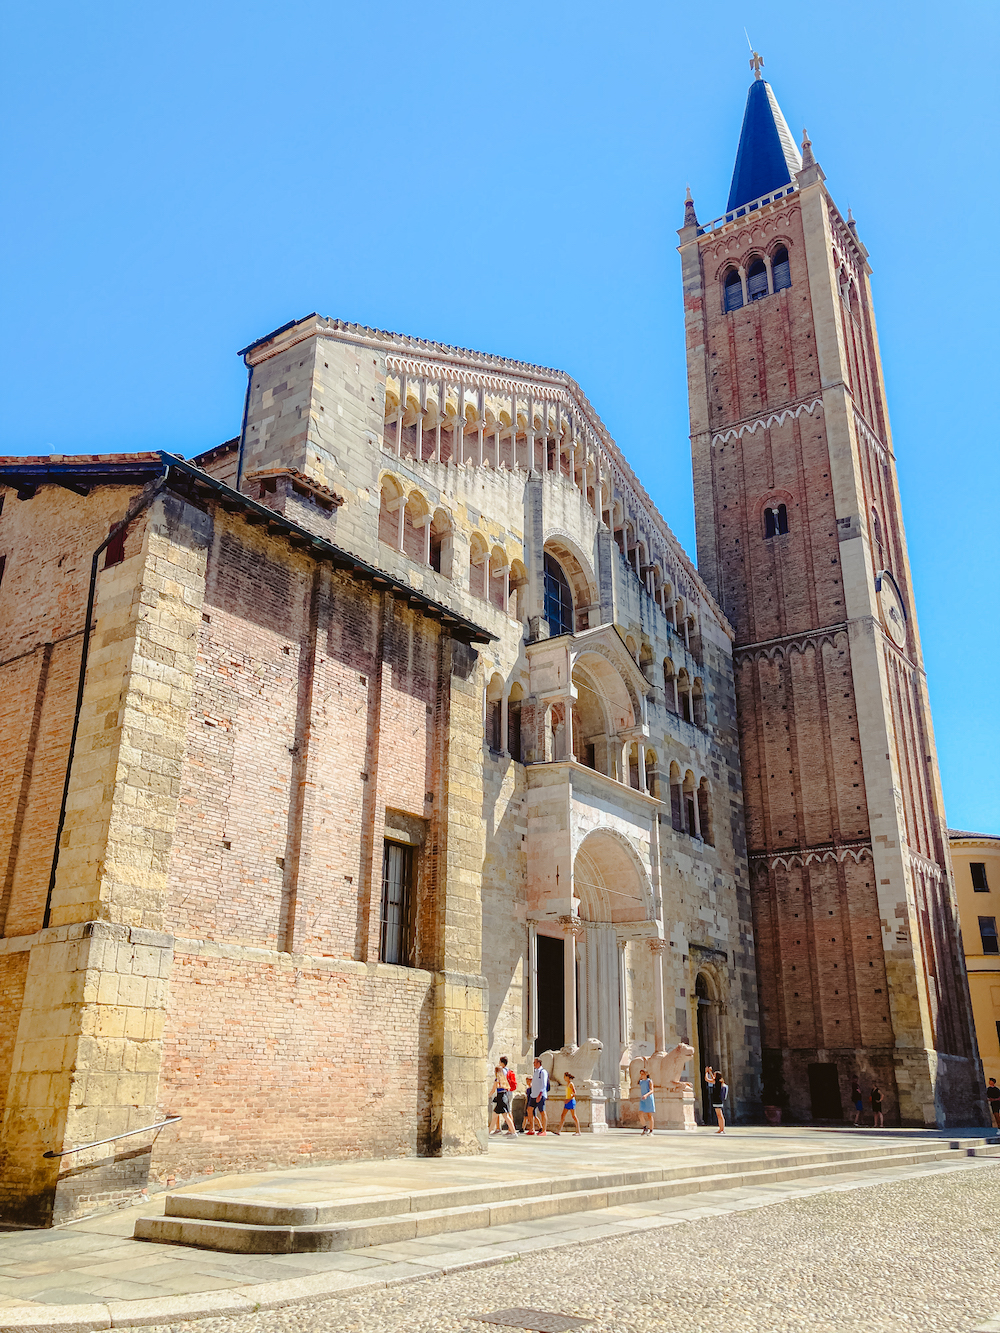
point(916, 1255)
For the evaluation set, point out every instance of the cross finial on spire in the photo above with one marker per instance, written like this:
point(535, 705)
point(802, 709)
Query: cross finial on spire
point(756, 64)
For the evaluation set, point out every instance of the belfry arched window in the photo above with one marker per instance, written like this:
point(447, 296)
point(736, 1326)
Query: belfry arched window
point(775, 521)
point(756, 280)
point(734, 290)
point(558, 598)
point(779, 269)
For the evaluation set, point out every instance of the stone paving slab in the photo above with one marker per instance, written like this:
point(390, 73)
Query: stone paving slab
point(94, 1268)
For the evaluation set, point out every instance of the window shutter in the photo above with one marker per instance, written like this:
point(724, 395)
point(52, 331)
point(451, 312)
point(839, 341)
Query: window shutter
point(757, 285)
point(782, 275)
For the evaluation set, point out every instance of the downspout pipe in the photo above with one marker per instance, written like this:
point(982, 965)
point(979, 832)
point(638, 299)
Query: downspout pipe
point(134, 510)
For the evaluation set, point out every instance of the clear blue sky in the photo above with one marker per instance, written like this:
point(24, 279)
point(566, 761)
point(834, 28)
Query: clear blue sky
point(183, 178)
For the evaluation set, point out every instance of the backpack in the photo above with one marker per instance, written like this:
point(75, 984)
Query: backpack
point(511, 1080)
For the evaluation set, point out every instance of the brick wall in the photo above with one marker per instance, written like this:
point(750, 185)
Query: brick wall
point(13, 971)
point(282, 1059)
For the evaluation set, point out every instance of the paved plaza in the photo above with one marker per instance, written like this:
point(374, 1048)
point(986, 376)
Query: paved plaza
point(855, 1210)
point(912, 1256)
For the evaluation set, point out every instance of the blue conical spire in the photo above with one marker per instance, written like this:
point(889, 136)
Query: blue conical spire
point(767, 157)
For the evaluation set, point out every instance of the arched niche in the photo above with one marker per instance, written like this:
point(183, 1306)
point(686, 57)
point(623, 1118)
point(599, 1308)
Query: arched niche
point(609, 881)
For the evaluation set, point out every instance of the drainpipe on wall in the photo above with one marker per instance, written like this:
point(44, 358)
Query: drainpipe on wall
point(134, 510)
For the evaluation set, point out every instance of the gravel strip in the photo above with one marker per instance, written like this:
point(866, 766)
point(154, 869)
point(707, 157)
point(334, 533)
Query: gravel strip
point(918, 1255)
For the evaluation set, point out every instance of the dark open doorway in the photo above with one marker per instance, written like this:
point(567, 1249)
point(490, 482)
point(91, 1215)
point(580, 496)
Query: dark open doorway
point(824, 1092)
point(705, 1053)
point(551, 994)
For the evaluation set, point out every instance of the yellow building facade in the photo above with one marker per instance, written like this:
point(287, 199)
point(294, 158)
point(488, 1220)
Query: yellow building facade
point(976, 859)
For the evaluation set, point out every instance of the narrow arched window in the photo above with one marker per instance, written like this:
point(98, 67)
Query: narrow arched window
point(494, 714)
point(558, 598)
point(705, 812)
point(514, 722)
point(756, 280)
point(779, 269)
point(734, 290)
point(479, 558)
point(775, 521)
point(676, 817)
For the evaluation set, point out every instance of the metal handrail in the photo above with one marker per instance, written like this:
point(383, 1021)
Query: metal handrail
point(170, 1120)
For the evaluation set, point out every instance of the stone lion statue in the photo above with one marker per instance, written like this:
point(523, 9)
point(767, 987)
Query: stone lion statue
point(575, 1062)
point(664, 1069)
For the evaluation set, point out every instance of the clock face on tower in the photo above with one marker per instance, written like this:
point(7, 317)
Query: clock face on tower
point(891, 606)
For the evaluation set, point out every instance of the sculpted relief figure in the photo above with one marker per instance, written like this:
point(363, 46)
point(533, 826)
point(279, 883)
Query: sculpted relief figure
point(664, 1068)
point(575, 1062)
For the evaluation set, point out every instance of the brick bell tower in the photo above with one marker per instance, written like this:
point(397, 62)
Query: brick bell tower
point(800, 536)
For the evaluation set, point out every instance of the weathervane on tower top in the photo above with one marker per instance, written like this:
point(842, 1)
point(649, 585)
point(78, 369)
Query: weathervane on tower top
point(755, 63)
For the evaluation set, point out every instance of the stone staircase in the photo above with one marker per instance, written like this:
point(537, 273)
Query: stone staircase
point(242, 1226)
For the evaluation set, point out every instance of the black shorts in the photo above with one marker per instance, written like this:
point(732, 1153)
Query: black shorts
point(501, 1103)
point(537, 1103)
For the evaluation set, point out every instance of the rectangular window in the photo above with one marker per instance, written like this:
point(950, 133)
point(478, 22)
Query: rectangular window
point(978, 869)
point(998, 1032)
point(397, 895)
point(114, 552)
point(988, 934)
point(3, 562)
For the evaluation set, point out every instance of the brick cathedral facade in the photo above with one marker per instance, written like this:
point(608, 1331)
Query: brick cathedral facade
point(399, 732)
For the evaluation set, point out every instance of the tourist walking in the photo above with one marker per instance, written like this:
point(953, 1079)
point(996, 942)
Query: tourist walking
point(501, 1102)
point(858, 1100)
point(993, 1097)
point(876, 1100)
point(537, 1094)
point(569, 1107)
point(647, 1102)
point(719, 1093)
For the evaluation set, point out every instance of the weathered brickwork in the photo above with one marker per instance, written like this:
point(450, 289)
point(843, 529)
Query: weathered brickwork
point(218, 790)
point(800, 537)
point(13, 970)
point(328, 1061)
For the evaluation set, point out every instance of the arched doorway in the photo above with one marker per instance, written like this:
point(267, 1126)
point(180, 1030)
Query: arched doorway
point(610, 889)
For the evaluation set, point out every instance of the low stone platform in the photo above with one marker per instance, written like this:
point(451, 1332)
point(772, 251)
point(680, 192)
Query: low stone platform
point(92, 1274)
point(266, 1219)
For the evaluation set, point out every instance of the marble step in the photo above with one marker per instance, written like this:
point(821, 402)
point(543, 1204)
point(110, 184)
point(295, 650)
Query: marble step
point(242, 1228)
point(226, 1208)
